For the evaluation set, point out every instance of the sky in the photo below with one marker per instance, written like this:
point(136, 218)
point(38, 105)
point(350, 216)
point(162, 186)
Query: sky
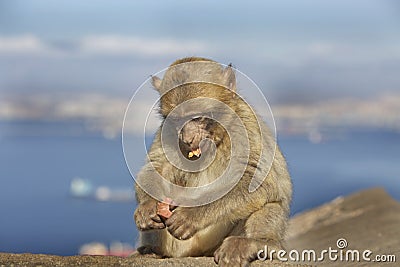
point(297, 51)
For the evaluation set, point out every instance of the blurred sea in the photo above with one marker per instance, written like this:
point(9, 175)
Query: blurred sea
point(38, 215)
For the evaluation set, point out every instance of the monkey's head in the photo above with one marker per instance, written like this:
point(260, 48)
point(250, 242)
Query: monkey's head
point(197, 98)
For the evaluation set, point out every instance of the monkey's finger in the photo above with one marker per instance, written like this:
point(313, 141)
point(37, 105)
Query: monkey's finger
point(154, 225)
point(186, 234)
point(155, 217)
point(180, 232)
point(152, 215)
point(144, 226)
point(170, 222)
point(173, 231)
point(145, 223)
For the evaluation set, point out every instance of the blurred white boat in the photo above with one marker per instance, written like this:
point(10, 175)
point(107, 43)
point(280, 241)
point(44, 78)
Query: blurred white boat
point(83, 188)
point(116, 248)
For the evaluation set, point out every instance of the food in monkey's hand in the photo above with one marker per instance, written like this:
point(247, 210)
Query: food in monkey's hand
point(164, 208)
point(196, 153)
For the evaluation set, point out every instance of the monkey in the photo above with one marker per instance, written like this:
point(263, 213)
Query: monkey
point(235, 226)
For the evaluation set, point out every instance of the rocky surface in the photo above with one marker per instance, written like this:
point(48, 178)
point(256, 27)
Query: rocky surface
point(368, 220)
point(50, 260)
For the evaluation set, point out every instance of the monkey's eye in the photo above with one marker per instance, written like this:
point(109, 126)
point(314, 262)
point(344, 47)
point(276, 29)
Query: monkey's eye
point(196, 117)
point(199, 118)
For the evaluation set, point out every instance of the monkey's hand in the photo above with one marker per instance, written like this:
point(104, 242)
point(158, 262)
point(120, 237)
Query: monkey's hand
point(146, 217)
point(182, 223)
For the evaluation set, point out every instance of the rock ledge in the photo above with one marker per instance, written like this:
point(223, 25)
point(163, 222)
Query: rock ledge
point(368, 219)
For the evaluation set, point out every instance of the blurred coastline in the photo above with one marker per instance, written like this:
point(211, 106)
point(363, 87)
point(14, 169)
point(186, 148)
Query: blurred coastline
point(102, 114)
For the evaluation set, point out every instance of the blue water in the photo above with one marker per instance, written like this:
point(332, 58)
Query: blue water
point(38, 215)
point(356, 161)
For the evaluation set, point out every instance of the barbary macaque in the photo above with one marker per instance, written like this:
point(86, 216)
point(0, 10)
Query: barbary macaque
point(208, 132)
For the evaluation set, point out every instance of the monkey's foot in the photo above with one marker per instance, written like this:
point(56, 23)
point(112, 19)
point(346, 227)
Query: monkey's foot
point(146, 251)
point(236, 251)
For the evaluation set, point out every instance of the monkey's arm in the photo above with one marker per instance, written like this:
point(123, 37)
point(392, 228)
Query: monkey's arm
point(236, 205)
point(146, 216)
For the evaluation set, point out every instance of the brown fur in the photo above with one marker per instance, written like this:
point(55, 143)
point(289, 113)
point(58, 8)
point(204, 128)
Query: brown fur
point(235, 227)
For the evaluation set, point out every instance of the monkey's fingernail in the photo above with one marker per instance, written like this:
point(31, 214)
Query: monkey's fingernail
point(185, 236)
point(216, 259)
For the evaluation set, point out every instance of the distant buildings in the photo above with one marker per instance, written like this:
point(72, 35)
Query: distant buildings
point(103, 114)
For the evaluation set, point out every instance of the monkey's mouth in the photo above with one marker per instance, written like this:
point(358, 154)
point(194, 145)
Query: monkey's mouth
point(195, 152)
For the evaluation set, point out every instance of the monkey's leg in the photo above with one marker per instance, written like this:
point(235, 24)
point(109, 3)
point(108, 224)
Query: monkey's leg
point(204, 243)
point(263, 227)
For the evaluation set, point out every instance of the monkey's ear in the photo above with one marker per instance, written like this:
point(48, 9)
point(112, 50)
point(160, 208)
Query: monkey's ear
point(229, 78)
point(156, 82)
